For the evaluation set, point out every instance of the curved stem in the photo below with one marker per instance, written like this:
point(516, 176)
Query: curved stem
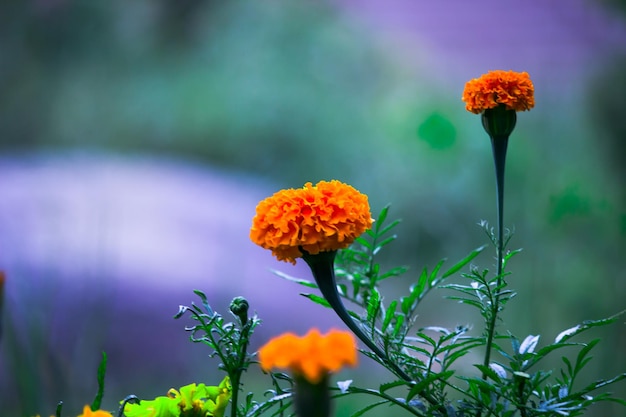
point(322, 267)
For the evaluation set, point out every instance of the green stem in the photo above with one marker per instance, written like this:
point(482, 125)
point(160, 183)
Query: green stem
point(322, 267)
point(236, 373)
point(499, 147)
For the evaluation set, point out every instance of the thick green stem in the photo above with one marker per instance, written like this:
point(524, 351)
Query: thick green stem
point(322, 267)
point(499, 147)
point(499, 123)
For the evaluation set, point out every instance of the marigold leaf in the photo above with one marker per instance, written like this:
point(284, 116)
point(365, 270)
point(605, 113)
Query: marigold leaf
point(205, 302)
point(367, 408)
point(389, 314)
point(389, 227)
point(383, 243)
point(300, 281)
point(398, 326)
point(586, 325)
point(382, 216)
point(102, 369)
point(388, 385)
point(316, 299)
point(488, 371)
point(363, 242)
point(459, 265)
point(373, 306)
point(418, 388)
point(433, 275)
point(394, 272)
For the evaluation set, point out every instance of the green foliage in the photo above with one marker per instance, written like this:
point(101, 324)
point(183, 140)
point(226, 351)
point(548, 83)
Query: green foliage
point(102, 368)
point(227, 340)
point(193, 400)
point(509, 385)
point(513, 384)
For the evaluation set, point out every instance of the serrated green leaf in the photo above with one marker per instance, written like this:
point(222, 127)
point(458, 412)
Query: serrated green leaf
point(568, 364)
point(363, 242)
point(486, 370)
point(102, 369)
point(388, 385)
point(451, 358)
point(511, 254)
point(399, 323)
point(394, 272)
point(300, 281)
point(383, 243)
point(586, 325)
point(316, 299)
point(367, 408)
point(382, 216)
point(435, 271)
point(418, 388)
point(543, 352)
point(389, 227)
point(418, 349)
point(464, 300)
point(373, 306)
point(457, 267)
point(389, 315)
point(422, 281)
point(427, 338)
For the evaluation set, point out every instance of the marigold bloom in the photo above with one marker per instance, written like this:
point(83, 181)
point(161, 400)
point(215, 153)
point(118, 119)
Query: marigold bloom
point(513, 89)
point(98, 413)
point(311, 356)
point(324, 217)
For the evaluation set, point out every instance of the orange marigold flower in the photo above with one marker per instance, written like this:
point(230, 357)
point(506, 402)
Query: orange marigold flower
point(324, 217)
point(513, 89)
point(312, 356)
point(98, 413)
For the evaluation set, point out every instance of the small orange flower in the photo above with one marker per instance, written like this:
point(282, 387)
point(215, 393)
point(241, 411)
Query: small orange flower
point(98, 413)
point(513, 89)
point(312, 355)
point(324, 217)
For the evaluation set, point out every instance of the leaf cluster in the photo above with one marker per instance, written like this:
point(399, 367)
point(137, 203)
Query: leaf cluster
point(227, 340)
point(511, 385)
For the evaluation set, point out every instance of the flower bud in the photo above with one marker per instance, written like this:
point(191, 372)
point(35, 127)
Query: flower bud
point(499, 122)
point(239, 307)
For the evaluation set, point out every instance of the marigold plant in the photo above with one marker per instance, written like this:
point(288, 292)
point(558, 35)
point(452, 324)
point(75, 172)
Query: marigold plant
point(512, 89)
point(323, 217)
point(311, 356)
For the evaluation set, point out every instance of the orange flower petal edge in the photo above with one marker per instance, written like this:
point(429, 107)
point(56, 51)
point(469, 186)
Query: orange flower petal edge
point(98, 413)
point(323, 217)
point(311, 356)
point(512, 89)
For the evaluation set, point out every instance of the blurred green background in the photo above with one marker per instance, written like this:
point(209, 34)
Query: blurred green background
point(368, 93)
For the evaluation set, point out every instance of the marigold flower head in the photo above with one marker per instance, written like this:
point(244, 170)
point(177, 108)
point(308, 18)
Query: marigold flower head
point(311, 356)
point(323, 217)
point(513, 89)
point(98, 413)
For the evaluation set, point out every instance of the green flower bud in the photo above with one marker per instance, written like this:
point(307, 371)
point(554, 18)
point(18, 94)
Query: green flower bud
point(239, 307)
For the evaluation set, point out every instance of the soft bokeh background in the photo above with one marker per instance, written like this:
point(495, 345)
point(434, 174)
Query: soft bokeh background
point(137, 137)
